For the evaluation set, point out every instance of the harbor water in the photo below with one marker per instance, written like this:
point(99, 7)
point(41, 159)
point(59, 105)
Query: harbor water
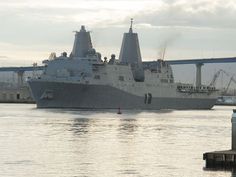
point(88, 143)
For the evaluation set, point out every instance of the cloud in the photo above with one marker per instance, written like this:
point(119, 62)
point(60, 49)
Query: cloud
point(200, 14)
point(163, 13)
point(46, 25)
point(91, 12)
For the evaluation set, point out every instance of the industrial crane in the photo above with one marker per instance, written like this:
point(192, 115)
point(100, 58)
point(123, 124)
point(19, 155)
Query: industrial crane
point(230, 81)
point(216, 75)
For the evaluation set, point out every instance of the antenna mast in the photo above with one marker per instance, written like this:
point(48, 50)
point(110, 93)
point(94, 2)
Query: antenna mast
point(131, 25)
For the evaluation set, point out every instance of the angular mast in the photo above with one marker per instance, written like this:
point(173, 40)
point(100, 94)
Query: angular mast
point(130, 53)
point(131, 25)
point(130, 50)
point(82, 43)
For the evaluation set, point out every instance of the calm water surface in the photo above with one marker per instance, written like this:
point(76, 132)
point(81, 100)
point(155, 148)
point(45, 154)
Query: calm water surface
point(74, 143)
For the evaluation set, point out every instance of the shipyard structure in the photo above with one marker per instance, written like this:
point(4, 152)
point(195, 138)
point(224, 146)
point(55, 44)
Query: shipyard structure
point(14, 91)
point(84, 80)
point(12, 94)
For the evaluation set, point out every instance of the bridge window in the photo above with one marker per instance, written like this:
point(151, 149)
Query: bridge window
point(121, 78)
point(164, 80)
point(97, 77)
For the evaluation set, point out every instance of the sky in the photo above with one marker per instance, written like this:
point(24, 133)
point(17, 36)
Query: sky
point(32, 29)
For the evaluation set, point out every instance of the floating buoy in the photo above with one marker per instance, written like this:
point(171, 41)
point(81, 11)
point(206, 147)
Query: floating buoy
point(119, 111)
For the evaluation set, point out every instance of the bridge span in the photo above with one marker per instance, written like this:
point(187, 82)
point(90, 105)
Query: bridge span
point(198, 62)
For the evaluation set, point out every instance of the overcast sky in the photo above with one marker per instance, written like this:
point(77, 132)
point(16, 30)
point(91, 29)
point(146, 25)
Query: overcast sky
point(32, 29)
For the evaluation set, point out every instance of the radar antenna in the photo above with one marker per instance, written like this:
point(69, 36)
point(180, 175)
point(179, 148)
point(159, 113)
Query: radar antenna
point(131, 25)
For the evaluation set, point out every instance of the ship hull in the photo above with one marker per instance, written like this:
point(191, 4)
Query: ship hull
point(85, 96)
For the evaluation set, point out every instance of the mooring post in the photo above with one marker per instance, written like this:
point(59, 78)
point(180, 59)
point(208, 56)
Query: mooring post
point(233, 120)
point(225, 159)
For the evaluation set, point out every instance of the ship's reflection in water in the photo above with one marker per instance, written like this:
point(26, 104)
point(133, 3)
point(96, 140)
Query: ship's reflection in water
point(80, 126)
point(126, 137)
point(128, 126)
point(52, 143)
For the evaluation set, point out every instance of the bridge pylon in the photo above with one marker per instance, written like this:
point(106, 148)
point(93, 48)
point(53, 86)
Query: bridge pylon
point(20, 76)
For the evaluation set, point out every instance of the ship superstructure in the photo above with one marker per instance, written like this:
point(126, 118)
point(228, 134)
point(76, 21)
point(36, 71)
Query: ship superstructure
point(84, 80)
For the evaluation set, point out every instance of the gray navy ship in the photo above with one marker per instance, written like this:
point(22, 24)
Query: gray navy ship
point(83, 80)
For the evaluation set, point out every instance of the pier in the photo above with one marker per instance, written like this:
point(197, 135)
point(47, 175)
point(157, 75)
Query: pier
point(223, 159)
point(220, 159)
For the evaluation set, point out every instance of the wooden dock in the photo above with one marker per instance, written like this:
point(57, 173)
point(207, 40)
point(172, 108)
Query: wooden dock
point(220, 159)
point(223, 159)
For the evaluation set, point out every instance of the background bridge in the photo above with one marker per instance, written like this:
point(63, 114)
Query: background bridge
point(20, 71)
point(198, 62)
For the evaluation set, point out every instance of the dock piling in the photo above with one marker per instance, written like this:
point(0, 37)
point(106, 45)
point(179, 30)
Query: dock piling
point(223, 159)
point(233, 120)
